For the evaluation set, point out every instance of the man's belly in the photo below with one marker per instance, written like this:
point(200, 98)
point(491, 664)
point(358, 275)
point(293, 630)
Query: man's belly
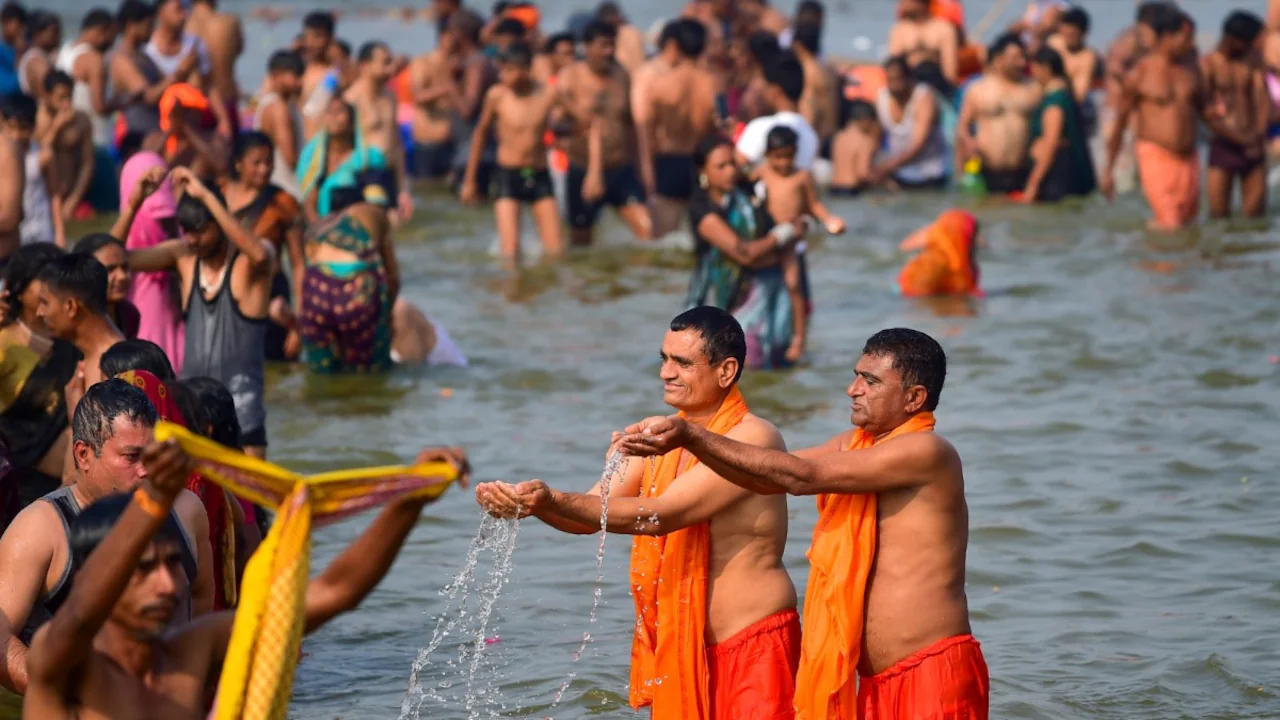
point(739, 598)
point(1003, 142)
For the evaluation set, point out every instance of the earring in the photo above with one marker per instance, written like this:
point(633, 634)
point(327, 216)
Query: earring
point(702, 181)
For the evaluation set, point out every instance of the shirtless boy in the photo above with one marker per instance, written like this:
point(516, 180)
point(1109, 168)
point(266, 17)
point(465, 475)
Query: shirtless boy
point(1000, 104)
point(518, 110)
point(919, 36)
point(1168, 99)
point(68, 133)
point(597, 94)
point(1239, 112)
point(854, 149)
point(376, 107)
point(673, 100)
point(790, 194)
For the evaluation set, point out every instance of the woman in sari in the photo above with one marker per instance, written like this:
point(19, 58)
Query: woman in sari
point(272, 214)
point(153, 293)
point(1059, 142)
point(222, 525)
point(738, 256)
point(34, 370)
point(336, 157)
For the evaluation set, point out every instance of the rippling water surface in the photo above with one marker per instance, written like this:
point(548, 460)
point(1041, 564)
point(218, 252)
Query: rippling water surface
point(1114, 399)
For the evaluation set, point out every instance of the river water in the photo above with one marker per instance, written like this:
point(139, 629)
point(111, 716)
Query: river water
point(1114, 399)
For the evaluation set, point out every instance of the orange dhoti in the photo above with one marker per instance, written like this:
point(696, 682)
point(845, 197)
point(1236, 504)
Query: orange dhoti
point(1171, 183)
point(753, 673)
point(946, 681)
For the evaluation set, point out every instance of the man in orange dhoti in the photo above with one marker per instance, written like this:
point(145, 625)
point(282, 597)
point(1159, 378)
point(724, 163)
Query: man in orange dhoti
point(717, 633)
point(886, 589)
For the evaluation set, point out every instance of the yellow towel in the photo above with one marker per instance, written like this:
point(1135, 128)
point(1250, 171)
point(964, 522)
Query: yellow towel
point(257, 676)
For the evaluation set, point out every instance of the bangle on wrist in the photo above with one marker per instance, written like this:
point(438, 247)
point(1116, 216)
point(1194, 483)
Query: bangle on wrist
point(148, 504)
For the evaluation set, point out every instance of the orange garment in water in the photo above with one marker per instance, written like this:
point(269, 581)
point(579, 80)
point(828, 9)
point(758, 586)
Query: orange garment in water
point(669, 577)
point(1171, 183)
point(840, 559)
point(946, 681)
point(947, 264)
point(753, 673)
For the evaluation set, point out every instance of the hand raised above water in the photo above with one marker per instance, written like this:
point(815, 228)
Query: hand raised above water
point(454, 456)
point(654, 436)
point(168, 468)
point(500, 499)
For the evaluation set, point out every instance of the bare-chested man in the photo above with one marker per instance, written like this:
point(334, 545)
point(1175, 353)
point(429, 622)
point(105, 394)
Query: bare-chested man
point(73, 305)
point(1122, 55)
point(629, 47)
point(224, 41)
point(921, 37)
point(597, 94)
point(518, 111)
point(375, 105)
point(673, 101)
point(111, 651)
point(715, 606)
point(320, 83)
point(280, 118)
point(892, 519)
point(84, 59)
point(473, 74)
point(435, 110)
point(1168, 98)
point(170, 49)
point(1000, 104)
point(68, 133)
point(110, 427)
point(1236, 90)
point(819, 104)
point(45, 30)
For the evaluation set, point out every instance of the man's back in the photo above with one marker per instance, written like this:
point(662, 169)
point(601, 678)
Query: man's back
point(682, 104)
point(224, 41)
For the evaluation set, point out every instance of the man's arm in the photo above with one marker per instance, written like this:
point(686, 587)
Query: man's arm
point(473, 89)
point(1261, 106)
point(87, 162)
point(96, 73)
point(502, 499)
point(1124, 108)
point(478, 139)
point(642, 116)
point(1082, 79)
point(964, 124)
point(390, 263)
point(259, 252)
point(195, 521)
point(949, 51)
point(25, 555)
point(10, 190)
point(277, 124)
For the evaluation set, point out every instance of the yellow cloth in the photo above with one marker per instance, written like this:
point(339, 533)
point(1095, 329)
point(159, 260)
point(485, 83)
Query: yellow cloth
point(257, 676)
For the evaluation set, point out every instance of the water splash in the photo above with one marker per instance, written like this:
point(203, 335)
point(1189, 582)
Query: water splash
point(471, 624)
point(613, 466)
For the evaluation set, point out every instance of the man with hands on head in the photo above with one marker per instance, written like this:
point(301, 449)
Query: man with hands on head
point(886, 588)
point(717, 633)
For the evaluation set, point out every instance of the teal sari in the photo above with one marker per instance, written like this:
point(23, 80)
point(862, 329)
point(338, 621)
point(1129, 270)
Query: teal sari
point(314, 162)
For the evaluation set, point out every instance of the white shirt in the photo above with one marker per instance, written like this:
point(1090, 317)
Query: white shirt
point(752, 142)
point(168, 64)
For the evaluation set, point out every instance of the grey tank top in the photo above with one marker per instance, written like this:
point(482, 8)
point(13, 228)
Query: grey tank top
point(227, 346)
point(64, 503)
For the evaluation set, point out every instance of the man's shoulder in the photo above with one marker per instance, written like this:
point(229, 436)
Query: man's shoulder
point(34, 529)
point(755, 430)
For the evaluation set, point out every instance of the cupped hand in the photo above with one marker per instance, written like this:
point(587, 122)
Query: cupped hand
point(500, 500)
point(654, 436)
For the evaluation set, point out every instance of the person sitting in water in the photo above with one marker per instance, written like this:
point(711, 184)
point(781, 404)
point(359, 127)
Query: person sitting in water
point(854, 149)
point(916, 154)
point(119, 611)
point(717, 634)
point(1063, 165)
point(109, 251)
point(947, 263)
point(336, 157)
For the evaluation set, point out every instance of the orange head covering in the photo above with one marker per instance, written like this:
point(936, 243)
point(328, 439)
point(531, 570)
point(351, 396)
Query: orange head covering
point(947, 263)
point(840, 558)
point(669, 582)
point(528, 16)
point(181, 96)
point(950, 10)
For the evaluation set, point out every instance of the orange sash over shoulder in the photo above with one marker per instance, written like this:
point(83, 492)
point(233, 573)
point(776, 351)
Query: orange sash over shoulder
point(669, 580)
point(840, 558)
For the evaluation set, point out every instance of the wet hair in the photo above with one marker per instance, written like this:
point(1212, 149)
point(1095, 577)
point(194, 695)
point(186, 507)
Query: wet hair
point(1050, 58)
point(549, 47)
point(808, 35)
point(763, 46)
point(13, 12)
point(79, 276)
point(131, 144)
point(1168, 21)
point(1076, 16)
point(24, 267)
point(811, 11)
point(20, 109)
point(1242, 26)
point(42, 20)
point(690, 37)
point(286, 61)
point(97, 18)
point(1002, 43)
point(781, 138)
point(702, 152)
point(136, 355)
point(1151, 12)
point(369, 49)
point(519, 54)
point(247, 141)
point(722, 336)
point(918, 357)
point(609, 12)
point(56, 78)
point(786, 72)
point(134, 11)
point(510, 27)
point(858, 110)
point(94, 419)
point(194, 414)
point(95, 522)
point(598, 29)
point(192, 215)
point(320, 21)
point(220, 409)
point(93, 242)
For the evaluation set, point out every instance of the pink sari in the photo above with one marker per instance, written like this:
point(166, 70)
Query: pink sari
point(161, 319)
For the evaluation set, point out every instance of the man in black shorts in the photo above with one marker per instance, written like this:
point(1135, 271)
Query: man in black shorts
point(596, 92)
